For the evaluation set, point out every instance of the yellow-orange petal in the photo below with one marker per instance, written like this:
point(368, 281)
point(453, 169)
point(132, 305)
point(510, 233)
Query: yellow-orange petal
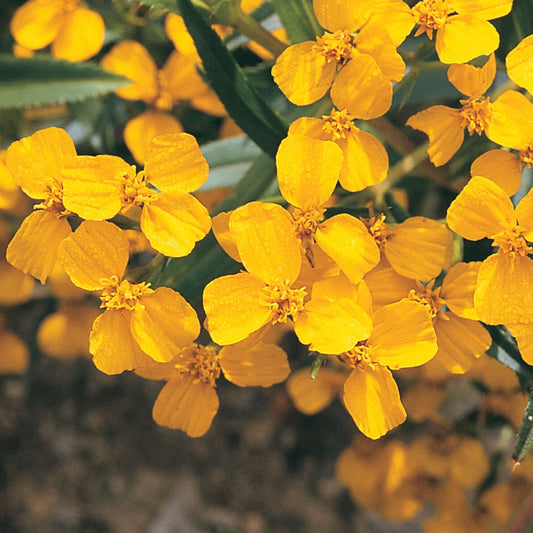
point(111, 344)
point(511, 120)
point(93, 185)
point(504, 293)
point(178, 34)
point(371, 397)
point(365, 161)
point(187, 405)
point(519, 63)
point(303, 75)
point(483, 9)
point(308, 170)
point(180, 77)
point(465, 37)
point(342, 15)
point(444, 127)
point(62, 288)
point(266, 241)
point(310, 126)
point(387, 286)
point(310, 396)
point(482, 209)
point(139, 131)
point(375, 41)
point(458, 289)
point(403, 335)
point(524, 215)
point(164, 324)
point(39, 157)
point(472, 80)
point(209, 103)
point(27, 251)
point(395, 16)
point(15, 286)
point(132, 60)
point(233, 307)
point(362, 89)
point(174, 162)
point(346, 240)
point(81, 35)
point(260, 365)
point(470, 463)
point(36, 24)
point(502, 167)
point(174, 223)
point(220, 226)
point(14, 355)
point(340, 286)
point(419, 248)
point(460, 341)
point(65, 333)
point(96, 250)
point(523, 333)
point(332, 327)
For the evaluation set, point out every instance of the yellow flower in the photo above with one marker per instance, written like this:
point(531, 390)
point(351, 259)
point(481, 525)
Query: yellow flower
point(402, 336)
point(502, 167)
point(365, 159)
point(450, 306)
point(75, 32)
point(189, 400)
point(14, 354)
point(504, 291)
point(358, 68)
point(36, 163)
point(462, 27)
point(518, 63)
point(178, 80)
point(418, 248)
point(99, 187)
point(138, 322)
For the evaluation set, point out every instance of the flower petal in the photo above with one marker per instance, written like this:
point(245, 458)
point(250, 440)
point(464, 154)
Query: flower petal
point(519, 63)
point(523, 333)
point(501, 167)
point(458, 289)
point(187, 405)
point(220, 226)
point(174, 223)
point(483, 9)
point(14, 355)
point(524, 215)
point(472, 80)
point(373, 401)
point(341, 15)
point(15, 286)
point(260, 365)
point(387, 286)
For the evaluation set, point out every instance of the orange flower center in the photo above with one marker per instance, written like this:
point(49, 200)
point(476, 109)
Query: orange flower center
point(360, 355)
point(511, 241)
point(69, 5)
point(305, 226)
point(164, 100)
point(428, 297)
point(136, 190)
point(53, 201)
point(526, 155)
point(283, 301)
point(337, 124)
point(431, 15)
point(122, 294)
point(476, 114)
point(335, 47)
point(199, 363)
point(378, 228)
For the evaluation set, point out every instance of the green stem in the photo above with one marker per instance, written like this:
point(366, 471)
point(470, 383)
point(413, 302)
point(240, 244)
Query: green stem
point(248, 26)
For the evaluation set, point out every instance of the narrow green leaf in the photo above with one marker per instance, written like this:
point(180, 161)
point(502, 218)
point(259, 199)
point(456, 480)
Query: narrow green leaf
point(524, 441)
point(298, 18)
point(260, 122)
point(44, 80)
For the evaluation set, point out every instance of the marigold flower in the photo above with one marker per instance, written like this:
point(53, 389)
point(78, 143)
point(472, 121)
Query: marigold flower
point(518, 63)
point(504, 291)
point(462, 27)
point(99, 187)
point(75, 32)
point(138, 323)
point(36, 163)
point(358, 68)
point(189, 400)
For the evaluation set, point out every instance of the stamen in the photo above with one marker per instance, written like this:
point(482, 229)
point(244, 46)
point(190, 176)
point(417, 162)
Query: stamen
point(511, 241)
point(526, 155)
point(283, 301)
point(135, 190)
point(335, 47)
point(122, 294)
point(361, 355)
point(378, 228)
point(200, 363)
point(431, 15)
point(476, 114)
point(337, 124)
point(53, 201)
point(428, 297)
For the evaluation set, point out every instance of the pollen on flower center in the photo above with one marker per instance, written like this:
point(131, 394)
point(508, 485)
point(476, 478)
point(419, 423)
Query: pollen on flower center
point(122, 294)
point(337, 124)
point(69, 5)
point(135, 190)
point(54, 199)
point(526, 155)
point(428, 297)
point(335, 47)
point(476, 114)
point(431, 15)
point(306, 222)
point(511, 241)
point(360, 355)
point(378, 228)
point(283, 301)
point(200, 363)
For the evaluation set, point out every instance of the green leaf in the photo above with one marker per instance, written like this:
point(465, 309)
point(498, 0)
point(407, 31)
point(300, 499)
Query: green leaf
point(44, 80)
point(524, 441)
point(168, 6)
point(260, 122)
point(298, 18)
